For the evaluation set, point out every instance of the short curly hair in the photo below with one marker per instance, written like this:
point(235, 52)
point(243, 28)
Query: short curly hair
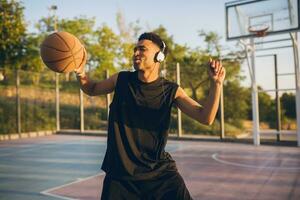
point(156, 39)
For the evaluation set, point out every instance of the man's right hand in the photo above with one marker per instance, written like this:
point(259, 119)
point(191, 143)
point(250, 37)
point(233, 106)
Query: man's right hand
point(80, 71)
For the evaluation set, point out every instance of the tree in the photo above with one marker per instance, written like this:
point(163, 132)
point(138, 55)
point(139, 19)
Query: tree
point(128, 36)
point(32, 60)
point(212, 40)
point(81, 27)
point(194, 74)
point(105, 52)
point(175, 53)
point(266, 107)
point(235, 103)
point(289, 105)
point(12, 28)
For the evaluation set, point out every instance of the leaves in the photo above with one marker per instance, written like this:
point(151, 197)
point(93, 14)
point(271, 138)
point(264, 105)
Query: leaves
point(12, 29)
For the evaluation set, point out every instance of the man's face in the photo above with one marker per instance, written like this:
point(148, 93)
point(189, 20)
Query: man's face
point(144, 53)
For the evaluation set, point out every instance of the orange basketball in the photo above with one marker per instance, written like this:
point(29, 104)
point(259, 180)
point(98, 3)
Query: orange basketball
point(62, 52)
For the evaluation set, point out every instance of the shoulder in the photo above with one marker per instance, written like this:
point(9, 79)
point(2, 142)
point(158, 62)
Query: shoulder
point(170, 87)
point(170, 84)
point(122, 76)
point(180, 93)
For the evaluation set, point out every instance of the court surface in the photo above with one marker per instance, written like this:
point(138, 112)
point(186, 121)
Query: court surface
point(68, 167)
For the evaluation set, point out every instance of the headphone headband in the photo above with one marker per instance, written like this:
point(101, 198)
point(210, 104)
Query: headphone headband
point(164, 47)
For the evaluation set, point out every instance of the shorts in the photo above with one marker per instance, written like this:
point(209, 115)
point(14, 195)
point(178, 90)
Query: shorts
point(170, 186)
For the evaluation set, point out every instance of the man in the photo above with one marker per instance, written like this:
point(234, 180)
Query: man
point(136, 164)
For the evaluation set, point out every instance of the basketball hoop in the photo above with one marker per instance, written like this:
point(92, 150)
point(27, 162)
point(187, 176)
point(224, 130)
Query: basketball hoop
point(259, 30)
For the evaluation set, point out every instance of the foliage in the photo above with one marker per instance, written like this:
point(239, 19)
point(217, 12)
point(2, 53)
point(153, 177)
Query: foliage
point(108, 50)
point(105, 51)
point(128, 34)
point(289, 105)
point(212, 41)
point(32, 61)
point(235, 103)
point(12, 29)
point(39, 115)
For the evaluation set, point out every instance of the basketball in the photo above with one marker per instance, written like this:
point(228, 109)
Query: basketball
point(62, 52)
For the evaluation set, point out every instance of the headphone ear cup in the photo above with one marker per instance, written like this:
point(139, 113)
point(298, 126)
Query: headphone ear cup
point(160, 56)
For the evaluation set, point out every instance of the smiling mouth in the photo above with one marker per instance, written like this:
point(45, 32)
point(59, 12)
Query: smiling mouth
point(137, 60)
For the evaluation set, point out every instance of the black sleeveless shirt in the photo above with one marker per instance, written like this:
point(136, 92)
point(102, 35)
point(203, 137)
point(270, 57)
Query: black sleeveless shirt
point(139, 119)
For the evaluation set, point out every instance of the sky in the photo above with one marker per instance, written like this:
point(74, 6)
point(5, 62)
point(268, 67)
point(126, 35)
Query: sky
point(183, 19)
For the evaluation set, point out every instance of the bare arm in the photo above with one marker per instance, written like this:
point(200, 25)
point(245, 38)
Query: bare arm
point(93, 88)
point(204, 114)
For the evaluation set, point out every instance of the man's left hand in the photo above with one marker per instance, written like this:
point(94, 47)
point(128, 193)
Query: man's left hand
point(216, 71)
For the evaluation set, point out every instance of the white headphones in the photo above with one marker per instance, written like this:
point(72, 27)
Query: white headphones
point(160, 56)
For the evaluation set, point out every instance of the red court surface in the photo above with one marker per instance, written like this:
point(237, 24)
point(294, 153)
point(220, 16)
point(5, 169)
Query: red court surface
point(68, 167)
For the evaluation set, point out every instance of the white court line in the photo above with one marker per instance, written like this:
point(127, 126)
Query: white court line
point(47, 192)
point(215, 157)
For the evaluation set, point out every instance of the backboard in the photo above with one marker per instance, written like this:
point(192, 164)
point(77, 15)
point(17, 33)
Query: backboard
point(276, 16)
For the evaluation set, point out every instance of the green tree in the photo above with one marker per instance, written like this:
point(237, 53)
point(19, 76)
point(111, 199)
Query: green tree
point(212, 41)
point(235, 103)
point(289, 105)
point(266, 106)
point(31, 60)
point(128, 34)
point(176, 52)
point(105, 52)
point(12, 28)
point(194, 74)
point(81, 27)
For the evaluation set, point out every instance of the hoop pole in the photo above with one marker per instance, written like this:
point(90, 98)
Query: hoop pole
point(278, 110)
point(297, 79)
point(81, 111)
point(255, 110)
point(108, 97)
point(246, 47)
point(179, 119)
point(19, 128)
point(57, 101)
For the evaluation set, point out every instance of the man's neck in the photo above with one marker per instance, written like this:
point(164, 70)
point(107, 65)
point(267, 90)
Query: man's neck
point(147, 77)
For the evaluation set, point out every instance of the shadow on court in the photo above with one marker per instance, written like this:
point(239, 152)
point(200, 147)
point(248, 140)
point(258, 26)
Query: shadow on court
point(68, 167)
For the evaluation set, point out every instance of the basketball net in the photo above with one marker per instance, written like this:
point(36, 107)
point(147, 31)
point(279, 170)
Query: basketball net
point(260, 31)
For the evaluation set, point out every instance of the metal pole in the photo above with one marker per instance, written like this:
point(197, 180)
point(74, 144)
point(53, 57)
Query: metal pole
point(255, 110)
point(18, 102)
point(222, 123)
point(179, 120)
point(278, 120)
point(54, 8)
point(294, 37)
point(81, 111)
point(108, 97)
point(57, 101)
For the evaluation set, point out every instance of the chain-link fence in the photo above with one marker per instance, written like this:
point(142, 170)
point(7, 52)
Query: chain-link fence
point(28, 103)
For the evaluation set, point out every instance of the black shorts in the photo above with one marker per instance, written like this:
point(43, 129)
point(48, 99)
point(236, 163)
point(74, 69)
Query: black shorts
point(170, 186)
